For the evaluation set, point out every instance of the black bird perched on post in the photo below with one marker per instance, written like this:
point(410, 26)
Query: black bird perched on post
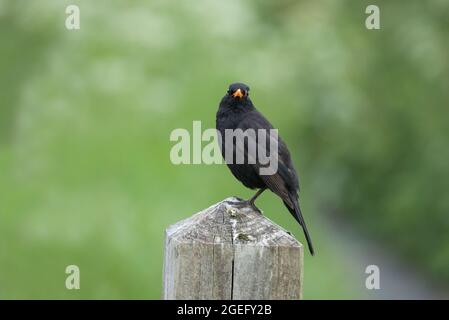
point(236, 111)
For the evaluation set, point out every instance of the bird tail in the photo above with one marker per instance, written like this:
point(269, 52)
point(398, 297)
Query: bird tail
point(296, 213)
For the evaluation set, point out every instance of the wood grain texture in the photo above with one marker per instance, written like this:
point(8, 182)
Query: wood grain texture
point(230, 252)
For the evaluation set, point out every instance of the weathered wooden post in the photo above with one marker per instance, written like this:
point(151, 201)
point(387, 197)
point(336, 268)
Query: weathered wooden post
point(228, 252)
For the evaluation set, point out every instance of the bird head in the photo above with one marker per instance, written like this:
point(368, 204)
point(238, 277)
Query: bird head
point(238, 91)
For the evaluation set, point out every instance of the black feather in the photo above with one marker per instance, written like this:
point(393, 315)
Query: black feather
point(240, 113)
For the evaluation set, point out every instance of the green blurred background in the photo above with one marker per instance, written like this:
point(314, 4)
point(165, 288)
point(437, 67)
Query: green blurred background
point(85, 119)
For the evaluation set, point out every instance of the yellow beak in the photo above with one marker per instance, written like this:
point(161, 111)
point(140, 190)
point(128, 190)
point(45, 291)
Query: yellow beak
point(238, 93)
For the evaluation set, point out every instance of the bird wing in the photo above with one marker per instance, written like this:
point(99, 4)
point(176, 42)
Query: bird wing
point(284, 182)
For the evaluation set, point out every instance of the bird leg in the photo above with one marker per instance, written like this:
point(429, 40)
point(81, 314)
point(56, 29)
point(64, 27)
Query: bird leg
point(258, 193)
point(250, 202)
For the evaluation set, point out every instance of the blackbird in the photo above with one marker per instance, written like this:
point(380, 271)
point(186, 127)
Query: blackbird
point(236, 111)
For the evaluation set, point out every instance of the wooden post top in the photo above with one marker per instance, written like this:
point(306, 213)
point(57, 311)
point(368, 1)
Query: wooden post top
point(227, 223)
point(231, 252)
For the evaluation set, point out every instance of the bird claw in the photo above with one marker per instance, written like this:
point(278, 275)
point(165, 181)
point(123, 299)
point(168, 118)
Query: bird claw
point(240, 204)
point(246, 204)
point(256, 209)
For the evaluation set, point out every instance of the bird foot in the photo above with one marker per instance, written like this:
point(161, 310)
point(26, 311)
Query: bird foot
point(246, 203)
point(255, 208)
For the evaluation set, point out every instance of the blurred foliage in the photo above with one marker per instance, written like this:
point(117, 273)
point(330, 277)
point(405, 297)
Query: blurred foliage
point(85, 116)
point(375, 130)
